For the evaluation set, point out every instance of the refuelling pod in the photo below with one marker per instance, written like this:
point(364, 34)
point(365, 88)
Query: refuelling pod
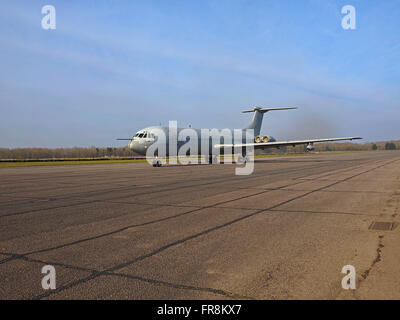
point(310, 147)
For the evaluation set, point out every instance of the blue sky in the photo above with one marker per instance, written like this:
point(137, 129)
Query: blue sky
point(113, 67)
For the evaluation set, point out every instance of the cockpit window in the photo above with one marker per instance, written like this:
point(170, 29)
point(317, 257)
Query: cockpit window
point(145, 135)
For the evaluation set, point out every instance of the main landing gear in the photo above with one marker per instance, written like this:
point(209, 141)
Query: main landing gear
point(212, 159)
point(241, 159)
point(157, 163)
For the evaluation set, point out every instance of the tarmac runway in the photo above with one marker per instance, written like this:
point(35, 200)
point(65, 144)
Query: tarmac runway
point(131, 231)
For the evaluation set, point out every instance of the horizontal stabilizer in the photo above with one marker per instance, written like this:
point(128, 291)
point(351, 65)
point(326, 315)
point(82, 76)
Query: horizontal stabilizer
point(263, 110)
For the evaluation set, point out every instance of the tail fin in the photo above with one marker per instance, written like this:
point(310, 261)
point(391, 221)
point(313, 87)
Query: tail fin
point(258, 117)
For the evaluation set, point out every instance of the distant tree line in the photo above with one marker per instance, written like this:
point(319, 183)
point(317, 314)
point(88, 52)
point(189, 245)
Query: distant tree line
point(341, 146)
point(390, 146)
point(65, 153)
point(95, 152)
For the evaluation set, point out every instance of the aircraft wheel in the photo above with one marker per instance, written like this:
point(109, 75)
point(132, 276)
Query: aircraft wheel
point(241, 159)
point(212, 160)
point(157, 163)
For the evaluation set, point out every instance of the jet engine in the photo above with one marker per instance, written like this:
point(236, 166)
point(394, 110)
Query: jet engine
point(264, 139)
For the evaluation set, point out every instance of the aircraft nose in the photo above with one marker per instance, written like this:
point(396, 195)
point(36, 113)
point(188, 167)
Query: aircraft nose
point(132, 145)
point(137, 147)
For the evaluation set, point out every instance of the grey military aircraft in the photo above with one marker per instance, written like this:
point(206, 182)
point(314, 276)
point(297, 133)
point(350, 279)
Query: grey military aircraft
point(146, 137)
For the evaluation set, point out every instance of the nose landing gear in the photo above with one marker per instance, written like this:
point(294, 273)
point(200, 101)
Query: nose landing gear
point(156, 163)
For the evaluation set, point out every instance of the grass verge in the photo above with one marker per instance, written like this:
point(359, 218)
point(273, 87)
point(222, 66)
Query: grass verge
point(7, 164)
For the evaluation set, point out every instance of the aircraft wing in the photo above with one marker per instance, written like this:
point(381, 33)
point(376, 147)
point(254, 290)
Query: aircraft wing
point(278, 144)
